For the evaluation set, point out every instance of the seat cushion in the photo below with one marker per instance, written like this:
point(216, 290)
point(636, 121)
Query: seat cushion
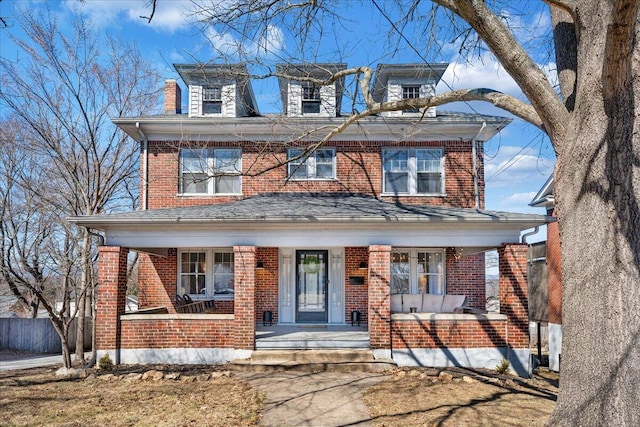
point(431, 303)
point(396, 303)
point(412, 300)
point(451, 302)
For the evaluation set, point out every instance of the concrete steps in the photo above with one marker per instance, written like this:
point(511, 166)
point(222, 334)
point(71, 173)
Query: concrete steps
point(312, 337)
point(315, 360)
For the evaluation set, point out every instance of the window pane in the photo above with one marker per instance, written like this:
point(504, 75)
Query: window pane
point(194, 160)
point(431, 272)
point(429, 183)
point(429, 160)
point(223, 273)
point(193, 267)
point(396, 161)
point(310, 92)
point(324, 170)
point(228, 184)
point(212, 107)
point(399, 272)
point(396, 183)
point(227, 160)
point(310, 107)
point(212, 93)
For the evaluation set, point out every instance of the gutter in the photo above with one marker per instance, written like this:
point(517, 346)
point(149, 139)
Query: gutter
point(476, 192)
point(144, 166)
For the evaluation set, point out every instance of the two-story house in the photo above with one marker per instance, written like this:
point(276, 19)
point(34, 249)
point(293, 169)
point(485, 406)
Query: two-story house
point(384, 223)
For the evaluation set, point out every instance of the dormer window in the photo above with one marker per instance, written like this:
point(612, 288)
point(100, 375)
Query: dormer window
point(212, 100)
point(310, 99)
point(411, 92)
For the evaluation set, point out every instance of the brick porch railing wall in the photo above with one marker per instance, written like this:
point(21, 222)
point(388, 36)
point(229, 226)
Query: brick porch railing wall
point(244, 296)
point(112, 294)
point(157, 277)
point(379, 297)
point(465, 332)
point(466, 276)
point(177, 333)
point(514, 293)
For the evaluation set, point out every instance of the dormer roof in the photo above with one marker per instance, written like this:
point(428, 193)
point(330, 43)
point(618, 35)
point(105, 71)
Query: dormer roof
point(424, 72)
point(321, 71)
point(214, 74)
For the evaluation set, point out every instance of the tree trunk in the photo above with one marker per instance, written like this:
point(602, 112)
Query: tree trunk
point(84, 293)
point(597, 191)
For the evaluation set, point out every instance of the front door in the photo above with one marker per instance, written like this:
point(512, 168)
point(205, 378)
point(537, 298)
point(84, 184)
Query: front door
point(312, 280)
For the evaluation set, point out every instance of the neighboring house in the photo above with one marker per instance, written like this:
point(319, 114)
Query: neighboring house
point(544, 199)
point(386, 216)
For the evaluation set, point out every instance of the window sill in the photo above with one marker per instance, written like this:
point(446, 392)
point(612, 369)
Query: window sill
point(186, 195)
point(414, 195)
point(312, 179)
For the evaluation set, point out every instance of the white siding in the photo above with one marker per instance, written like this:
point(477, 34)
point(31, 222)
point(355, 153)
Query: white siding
point(195, 100)
point(328, 101)
point(228, 95)
point(394, 93)
point(294, 104)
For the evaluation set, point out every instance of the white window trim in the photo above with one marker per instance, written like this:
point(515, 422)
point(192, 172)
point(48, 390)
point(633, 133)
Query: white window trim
point(209, 270)
point(412, 166)
point(310, 163)
point(210, 161)
point(414, 286)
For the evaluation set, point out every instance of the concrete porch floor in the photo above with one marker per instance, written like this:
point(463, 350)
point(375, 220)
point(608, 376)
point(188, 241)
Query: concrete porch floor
point(310, 336)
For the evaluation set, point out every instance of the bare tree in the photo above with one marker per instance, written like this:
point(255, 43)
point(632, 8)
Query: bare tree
point(593, 123)
point(63, 93)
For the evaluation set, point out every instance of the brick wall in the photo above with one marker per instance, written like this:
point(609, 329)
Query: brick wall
point(267, 283)
point(379, 296)
point(244, 296)
point(157, 277)
point(359, 170)
point(554, 271)
point(112, 294)
point(466, 276)
point(356, 296)
point(178, 333)
point(513, 292)
point(476, 333)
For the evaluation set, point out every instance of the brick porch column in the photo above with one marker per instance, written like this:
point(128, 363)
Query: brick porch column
point(244, 297)
point(112, 295)
point(379, 299)
point(514, 297)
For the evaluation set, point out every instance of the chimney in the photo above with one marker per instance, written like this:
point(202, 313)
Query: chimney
point(172, 97)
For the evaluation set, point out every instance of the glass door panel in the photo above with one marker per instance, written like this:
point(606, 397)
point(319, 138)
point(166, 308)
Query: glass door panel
point(312, 283)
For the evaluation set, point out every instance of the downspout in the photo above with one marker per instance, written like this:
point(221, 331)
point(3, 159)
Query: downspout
point(144, 166)
point(476, 192)
point(523, 239)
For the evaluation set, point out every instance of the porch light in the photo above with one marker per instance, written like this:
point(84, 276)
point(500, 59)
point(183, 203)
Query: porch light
point(363, 265)
point(260, 265)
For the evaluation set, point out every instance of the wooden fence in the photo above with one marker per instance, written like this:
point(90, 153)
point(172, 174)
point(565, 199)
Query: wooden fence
point(38, 335)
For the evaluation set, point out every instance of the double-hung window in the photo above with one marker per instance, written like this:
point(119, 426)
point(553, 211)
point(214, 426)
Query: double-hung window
point(411, 92)
point(206, 272)
point(417, 271)
point(310, 98)
point(212, 100)
point(320, 164)
point(210, 171)
point(413, 171)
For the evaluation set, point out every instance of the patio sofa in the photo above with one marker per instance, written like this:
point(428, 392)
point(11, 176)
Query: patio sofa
point(428, 303)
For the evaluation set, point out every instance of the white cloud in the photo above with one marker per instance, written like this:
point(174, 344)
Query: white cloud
point(483, 72)
point(168, 17)
point(515, 165)
point(521, 198)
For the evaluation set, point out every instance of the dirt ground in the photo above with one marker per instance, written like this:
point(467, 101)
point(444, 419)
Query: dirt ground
point(206, 396)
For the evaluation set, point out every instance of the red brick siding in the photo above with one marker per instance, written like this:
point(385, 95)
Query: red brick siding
point(157, 278)
point(449, 334)
point(112, 294)
point(466, 276)
point(356, 296)
point(178, 333)
point(359, 170)
point(267, 283)
point(244, 284)
point(513, 292)
point(379, 296)
point(554, 272)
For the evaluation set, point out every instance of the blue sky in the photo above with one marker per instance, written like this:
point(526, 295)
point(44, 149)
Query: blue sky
point(518, 160)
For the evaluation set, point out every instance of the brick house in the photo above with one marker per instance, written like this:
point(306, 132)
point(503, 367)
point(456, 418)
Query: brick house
point(386, 219)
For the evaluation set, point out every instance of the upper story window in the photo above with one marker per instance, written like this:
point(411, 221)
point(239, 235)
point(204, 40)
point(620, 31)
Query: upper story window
point(212, 100)
point(319, 165)
point(210, 171)
point(418, 271)
point(410, 92)
point(413, 171)
point(310, 99)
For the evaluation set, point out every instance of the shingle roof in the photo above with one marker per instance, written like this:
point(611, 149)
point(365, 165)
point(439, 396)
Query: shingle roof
point(307, 207)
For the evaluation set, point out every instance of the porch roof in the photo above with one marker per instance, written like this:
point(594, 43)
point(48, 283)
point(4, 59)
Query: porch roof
point(327, 208)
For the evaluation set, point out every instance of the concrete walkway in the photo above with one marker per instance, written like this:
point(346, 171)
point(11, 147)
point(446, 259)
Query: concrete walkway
point(313, 399)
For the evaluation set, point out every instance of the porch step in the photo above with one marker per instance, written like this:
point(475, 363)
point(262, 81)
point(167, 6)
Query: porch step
point(311, 337)
point(336, 360)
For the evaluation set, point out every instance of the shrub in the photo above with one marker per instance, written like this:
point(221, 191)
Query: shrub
point(503, 367)
point(105, 362)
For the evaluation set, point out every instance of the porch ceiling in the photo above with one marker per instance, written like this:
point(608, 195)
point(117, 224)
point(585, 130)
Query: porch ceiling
point(334, 217)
